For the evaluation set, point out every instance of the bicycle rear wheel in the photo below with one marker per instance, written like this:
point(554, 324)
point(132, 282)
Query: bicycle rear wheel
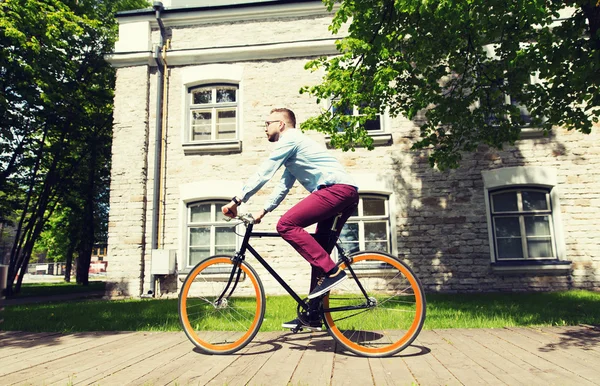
point(221, 324)
point(389, 320)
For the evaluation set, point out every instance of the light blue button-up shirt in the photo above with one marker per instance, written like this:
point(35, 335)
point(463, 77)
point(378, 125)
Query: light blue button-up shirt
point(304, 160)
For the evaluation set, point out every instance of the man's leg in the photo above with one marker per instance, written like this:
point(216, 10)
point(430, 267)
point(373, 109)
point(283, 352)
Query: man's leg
point(319, 206)
point(327, 238)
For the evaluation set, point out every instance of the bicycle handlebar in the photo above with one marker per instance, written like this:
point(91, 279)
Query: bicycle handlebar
point(246, 218)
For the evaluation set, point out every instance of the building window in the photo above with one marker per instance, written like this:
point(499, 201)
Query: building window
point(375, 127)
point(371, 125)
point(522, 224)
point(369, 226)
point(207, 233)
point(213, 113)
point(497, 97)
point(524, 220)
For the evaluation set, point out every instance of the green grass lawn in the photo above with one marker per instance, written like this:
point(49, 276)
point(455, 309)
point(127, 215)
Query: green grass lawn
point(443, 311)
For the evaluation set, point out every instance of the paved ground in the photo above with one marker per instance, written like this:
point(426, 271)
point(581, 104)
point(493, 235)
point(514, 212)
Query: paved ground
point(510, 356)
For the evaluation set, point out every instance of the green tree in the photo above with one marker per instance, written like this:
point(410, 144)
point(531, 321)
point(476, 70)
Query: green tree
point(454, 63)
point(56, 94)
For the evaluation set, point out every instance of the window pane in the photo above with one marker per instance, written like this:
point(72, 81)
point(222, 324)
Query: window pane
point(375, 231)
point(376, 246)
point(342, 110)
point(226, 124)
point(373, 124)
point(507, 227)
point(534, 200)
point(198, 254)
point(510, 249)
point(537, 225)
point(200, 236)
point(350, 247)
point(349, 232)
point(226, 94)
point(539, 247)
point(373, 207)
point(505, 202)
point(225, 250)
point(202, 96)
point(523, 112)
point(201, 125)
point(200, 213)
point(225, 236)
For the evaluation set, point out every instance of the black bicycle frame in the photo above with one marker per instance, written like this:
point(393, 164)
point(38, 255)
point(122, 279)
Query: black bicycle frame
point(241, 255)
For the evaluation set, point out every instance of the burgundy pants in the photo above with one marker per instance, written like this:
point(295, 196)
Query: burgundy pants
point(321, 207)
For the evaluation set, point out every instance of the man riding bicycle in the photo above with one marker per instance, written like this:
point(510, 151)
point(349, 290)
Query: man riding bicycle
point(333, 193)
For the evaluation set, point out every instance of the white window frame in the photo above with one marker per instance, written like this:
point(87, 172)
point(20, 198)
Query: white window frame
point(520, 213)
point(526, 177)
point(211, 75)
point(527, 131)
point(215, 205)
point(381, 186)
point(196, 192)
point(361, 219)
point(213, 107)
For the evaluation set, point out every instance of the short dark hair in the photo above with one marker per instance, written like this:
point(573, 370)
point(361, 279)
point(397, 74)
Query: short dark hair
point(289, 114)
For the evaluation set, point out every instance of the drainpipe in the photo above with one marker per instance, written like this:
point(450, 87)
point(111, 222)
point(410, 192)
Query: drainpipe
point(158, 8)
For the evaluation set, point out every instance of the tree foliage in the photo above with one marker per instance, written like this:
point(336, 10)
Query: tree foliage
point(56, 94)
point(453, 64)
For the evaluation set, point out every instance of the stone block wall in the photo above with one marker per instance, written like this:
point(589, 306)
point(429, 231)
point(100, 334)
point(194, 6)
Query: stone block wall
point(127, 237)
point(440, 217)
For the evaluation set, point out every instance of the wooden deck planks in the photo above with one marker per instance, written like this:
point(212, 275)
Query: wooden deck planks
point(287, 351)
point(506, 371)
point(427, 369)
point(315, 367)
point(510, 356)
point(579, 370)
point(458, 362)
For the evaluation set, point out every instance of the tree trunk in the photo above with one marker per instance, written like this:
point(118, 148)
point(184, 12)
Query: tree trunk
point(86, 244)
point(69, 263)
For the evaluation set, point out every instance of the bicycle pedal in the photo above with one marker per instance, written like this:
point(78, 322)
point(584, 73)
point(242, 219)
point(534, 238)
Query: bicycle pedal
point(308, 328)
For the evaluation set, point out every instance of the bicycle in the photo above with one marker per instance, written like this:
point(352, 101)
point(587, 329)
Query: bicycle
point(378, 311)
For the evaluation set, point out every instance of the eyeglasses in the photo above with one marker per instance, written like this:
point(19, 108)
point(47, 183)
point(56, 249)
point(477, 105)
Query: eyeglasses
point(267, 123)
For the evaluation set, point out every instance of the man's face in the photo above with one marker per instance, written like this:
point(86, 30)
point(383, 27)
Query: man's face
point(273, 127)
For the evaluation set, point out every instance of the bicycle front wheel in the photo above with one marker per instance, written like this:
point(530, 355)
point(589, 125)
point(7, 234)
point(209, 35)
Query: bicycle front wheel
point(388, 319)
point(219, 316)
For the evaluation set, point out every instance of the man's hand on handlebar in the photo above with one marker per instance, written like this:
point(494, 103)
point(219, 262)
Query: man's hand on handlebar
point(258, 217)
point(230, 210)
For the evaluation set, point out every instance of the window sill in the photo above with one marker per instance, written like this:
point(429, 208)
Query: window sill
point(379, 139)
point(531, 132)
point(537, 266)
point(212, 147)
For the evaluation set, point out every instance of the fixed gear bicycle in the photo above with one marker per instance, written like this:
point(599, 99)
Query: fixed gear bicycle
point(378, 311)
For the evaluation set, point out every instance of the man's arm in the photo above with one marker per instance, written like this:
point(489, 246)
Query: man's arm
point(267, 169)
point(282, 189)
point(264, 173)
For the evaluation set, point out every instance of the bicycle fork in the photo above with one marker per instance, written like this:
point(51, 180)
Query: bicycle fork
point(235, 271)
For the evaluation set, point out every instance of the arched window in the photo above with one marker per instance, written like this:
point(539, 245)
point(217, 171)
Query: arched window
point(213, 113)
point(208, 233)
point(522, 224)
point(369, 226)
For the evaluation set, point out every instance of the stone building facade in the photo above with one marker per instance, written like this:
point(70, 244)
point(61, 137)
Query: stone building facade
point(520, 219)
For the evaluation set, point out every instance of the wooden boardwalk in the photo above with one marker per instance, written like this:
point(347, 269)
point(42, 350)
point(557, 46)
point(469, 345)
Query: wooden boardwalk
point(509, 356)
